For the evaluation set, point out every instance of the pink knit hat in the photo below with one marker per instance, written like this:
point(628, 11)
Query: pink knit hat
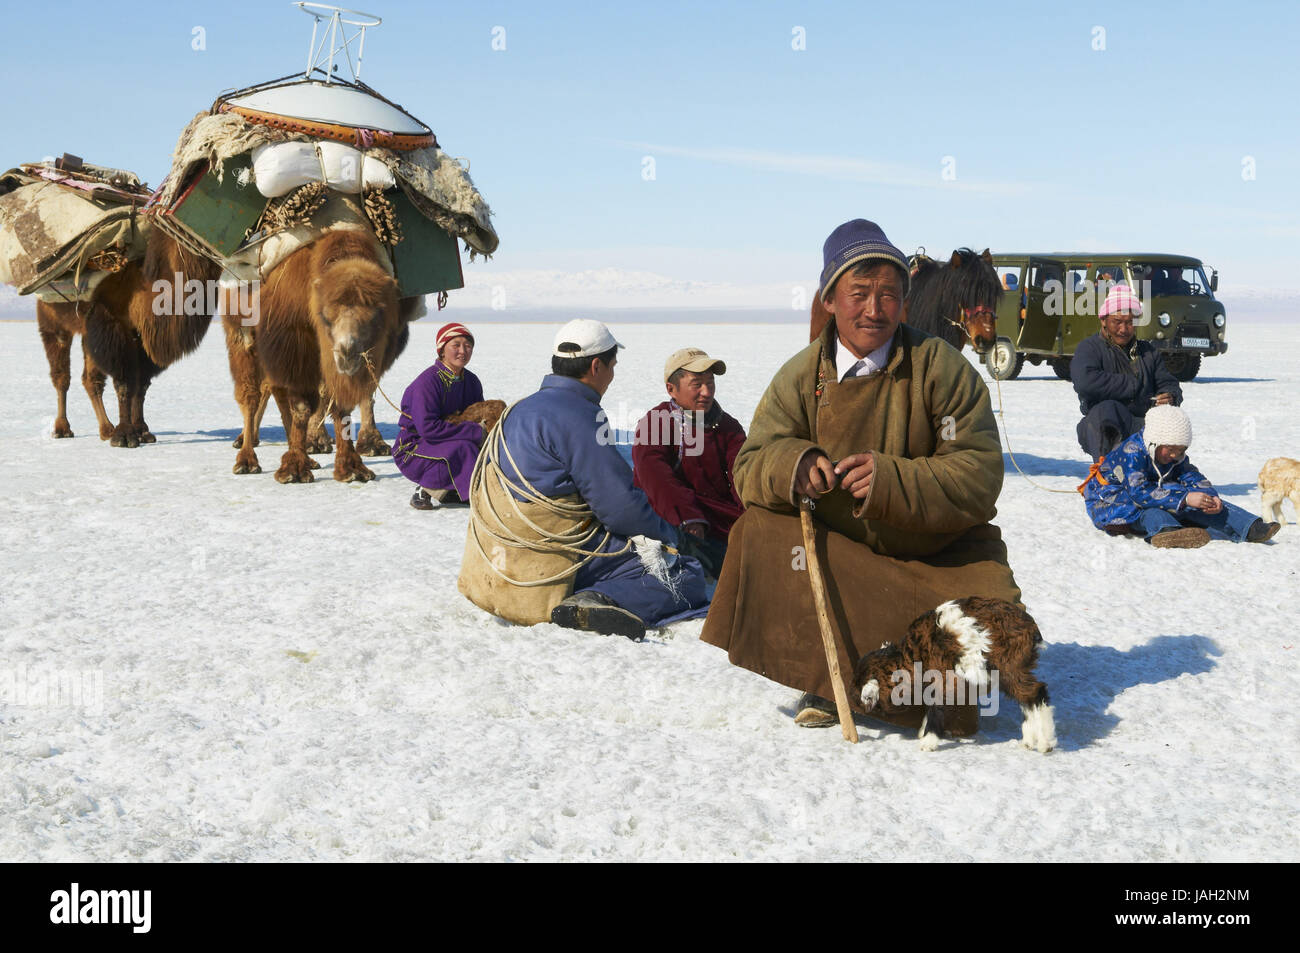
point(1120, 298)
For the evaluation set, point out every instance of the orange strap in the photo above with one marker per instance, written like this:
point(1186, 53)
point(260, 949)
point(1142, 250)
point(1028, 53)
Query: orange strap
point(362, 139)
point(1094, 473)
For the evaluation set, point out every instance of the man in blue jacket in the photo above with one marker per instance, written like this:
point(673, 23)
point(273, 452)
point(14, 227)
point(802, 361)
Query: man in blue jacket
point(567, 547)
point(1117, 377)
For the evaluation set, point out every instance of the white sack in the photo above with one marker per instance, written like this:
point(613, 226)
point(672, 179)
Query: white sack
point(279, 169)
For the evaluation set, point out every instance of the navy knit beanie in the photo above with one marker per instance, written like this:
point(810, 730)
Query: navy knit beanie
point(853, 242)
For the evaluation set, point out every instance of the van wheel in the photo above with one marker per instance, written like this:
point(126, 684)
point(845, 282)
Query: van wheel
point(1182, 365)
point(1004, 363)
point(1061, 367)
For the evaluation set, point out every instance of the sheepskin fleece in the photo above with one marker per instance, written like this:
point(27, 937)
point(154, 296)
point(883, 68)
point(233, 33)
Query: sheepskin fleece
point(49, 231)
point(434, 181)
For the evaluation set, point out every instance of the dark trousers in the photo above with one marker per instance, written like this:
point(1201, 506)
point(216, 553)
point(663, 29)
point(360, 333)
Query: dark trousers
point(1105, 427)
point(710, 551)
point(625, 580)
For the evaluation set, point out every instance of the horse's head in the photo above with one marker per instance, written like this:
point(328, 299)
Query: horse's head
point(974, 282)
point(981, 326)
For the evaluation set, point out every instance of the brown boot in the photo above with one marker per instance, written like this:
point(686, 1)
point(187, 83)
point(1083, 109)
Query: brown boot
point(815, 712)
point(1261, 532)
point(1189, 537)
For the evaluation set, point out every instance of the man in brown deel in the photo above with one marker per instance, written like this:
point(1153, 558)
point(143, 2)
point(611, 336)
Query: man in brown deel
point(890, 431)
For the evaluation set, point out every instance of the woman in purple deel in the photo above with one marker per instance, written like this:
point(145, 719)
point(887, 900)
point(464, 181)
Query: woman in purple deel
point(436, 455)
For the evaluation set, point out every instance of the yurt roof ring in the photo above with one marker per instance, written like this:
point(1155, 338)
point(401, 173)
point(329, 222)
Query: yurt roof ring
point(330, 107)
point(339, 20)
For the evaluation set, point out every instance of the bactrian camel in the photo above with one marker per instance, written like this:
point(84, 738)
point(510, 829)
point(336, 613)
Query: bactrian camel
point(133, 342)
point(328, 324)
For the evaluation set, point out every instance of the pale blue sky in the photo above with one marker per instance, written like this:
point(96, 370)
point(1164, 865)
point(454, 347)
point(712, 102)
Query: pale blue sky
point(759, 149)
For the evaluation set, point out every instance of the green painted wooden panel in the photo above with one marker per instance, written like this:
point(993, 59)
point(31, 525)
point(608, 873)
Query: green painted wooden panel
point(221, 213)
point(427, 259)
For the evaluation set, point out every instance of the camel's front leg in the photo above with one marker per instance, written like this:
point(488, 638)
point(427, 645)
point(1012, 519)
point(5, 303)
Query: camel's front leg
point(295, 465)
point(137, 413)
point(286, 417)
point(246, 372)
point(318, 441)
point(246, 460)
point(348, 465)
point(58, 347)
point(370, 442)
point(124, 434)
point(263, 400)
point(93, 379)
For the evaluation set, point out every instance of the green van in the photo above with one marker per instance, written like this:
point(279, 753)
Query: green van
point(1050, 304)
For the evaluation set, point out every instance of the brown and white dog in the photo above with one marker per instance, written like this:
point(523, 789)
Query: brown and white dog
point(1278, 481)
point(964, 639)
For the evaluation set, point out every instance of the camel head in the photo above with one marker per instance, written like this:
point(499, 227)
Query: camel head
point(354, 309)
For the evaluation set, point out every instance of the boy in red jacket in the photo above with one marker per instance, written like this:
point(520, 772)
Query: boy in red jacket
point(682, 457)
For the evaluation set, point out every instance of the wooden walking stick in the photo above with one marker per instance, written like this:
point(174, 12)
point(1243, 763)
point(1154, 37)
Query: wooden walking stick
point(847, 728)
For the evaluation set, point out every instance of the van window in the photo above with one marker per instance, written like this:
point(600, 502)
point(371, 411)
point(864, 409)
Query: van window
point(1041, 272)
point(1110, 275)
point(1169, 278)
point(1009, 277)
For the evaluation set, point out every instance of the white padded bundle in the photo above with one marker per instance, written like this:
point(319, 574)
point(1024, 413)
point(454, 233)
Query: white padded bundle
point(279, 169)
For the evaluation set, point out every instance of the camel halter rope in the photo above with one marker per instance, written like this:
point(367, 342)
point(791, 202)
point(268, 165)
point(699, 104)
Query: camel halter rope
point(375, 377)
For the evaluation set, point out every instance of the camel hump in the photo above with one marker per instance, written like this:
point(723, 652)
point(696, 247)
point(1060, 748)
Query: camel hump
point(356, 282)
point(343, 243)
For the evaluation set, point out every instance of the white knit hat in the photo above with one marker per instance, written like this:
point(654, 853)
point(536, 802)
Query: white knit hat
point(1167, 426)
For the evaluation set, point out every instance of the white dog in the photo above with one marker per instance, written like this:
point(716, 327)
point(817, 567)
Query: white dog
point(1278, 481)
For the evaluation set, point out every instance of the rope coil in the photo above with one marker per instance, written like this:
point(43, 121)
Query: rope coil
point(570, 542)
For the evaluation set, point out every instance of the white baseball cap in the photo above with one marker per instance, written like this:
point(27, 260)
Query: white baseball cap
point(590, 336)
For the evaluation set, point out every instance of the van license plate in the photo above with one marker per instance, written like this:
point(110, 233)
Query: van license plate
point(1196, 342)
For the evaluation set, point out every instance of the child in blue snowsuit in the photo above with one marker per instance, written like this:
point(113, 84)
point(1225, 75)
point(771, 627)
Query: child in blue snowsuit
point(1148, 486)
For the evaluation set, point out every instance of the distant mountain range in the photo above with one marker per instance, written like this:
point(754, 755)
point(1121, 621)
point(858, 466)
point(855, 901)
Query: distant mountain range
point(520, 295)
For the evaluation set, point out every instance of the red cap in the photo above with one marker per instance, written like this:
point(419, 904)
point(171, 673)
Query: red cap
point(453, 330)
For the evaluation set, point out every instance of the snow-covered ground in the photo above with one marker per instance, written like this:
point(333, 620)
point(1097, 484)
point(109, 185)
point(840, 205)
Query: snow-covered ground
point(288, 672)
